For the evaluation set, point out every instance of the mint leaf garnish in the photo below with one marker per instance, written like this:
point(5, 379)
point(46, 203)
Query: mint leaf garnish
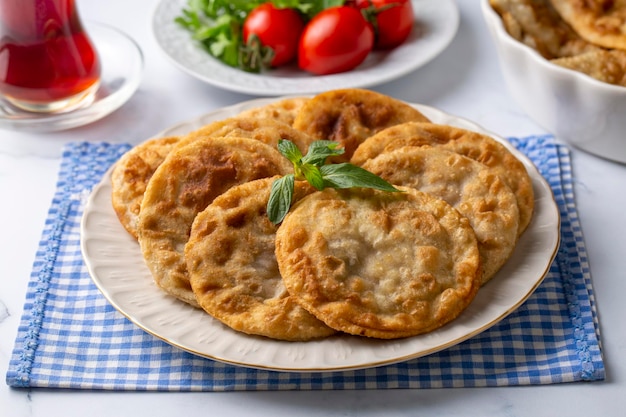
point(346, 175)
point(281, 195)
point(313, 168)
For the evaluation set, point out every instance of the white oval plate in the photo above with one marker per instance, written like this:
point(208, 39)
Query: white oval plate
point(437, 22)
point(116, 265)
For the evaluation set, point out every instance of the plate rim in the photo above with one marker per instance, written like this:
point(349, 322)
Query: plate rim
point(279, 87)
point(231, 110)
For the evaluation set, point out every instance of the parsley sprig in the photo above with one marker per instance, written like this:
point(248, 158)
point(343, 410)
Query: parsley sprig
point(313, 168)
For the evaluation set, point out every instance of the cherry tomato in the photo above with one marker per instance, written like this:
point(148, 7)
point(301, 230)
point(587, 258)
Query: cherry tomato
point(276, 28)
point(393, 20)
point(337, 39)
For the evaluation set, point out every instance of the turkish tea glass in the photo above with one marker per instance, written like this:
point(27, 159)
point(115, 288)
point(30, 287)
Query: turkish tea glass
point(47, 61)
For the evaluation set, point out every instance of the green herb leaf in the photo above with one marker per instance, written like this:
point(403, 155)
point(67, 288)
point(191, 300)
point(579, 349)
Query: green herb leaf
point(290, 151)
point(308, 8)
point(319, 150)
point(347, 176)
point(313, 175)
point(311, 168)
point(253, 56)
point(281, 195)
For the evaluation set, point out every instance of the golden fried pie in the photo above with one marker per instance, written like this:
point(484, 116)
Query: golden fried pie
point(476, 146)
point(470, 187)
point(538, 25)
point(130, 177)
point(605, 66)
point(233, 269)
point(601, 22)
point(284, 110)
point(350, 116)
point(185, 183)
point(268, 131)
point(378, 264)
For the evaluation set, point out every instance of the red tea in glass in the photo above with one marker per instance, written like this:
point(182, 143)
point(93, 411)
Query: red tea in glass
point(47, 62)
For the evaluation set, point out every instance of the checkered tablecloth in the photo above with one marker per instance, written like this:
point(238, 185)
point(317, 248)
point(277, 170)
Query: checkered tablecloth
point(70, 337)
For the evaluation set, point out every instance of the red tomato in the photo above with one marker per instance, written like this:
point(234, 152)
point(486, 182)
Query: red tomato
point(394, 20)
point(278, 29)
point(337, 39)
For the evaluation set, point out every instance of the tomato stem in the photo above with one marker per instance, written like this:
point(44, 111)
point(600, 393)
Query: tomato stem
point(370, 12)
point(253, 56)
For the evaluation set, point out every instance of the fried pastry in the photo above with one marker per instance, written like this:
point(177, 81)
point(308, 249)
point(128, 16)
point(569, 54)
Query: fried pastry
point(130, 177)
point(233, 270)
point(476, 146)
point(544, 25)
point(473, 189)
point(189, 179)
point(284, 110)
point(268, 131)
point(378, 264)
point(538, 25)
point(605, 66)
point(350, 116)
point(601, 22)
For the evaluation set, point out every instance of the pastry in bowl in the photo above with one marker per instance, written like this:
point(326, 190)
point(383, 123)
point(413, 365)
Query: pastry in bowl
point(559, 91)
point(601, 22)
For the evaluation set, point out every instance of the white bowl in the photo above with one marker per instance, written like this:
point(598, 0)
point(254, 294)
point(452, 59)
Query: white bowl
point(576, 108)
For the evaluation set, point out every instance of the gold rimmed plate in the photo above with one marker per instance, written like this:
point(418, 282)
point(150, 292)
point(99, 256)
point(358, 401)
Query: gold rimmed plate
point(116, 265)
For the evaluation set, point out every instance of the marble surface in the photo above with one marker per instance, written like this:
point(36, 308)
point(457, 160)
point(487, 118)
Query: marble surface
point(464, 80)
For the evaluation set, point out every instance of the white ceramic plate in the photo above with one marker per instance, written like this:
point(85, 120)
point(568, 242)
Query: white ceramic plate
point(436, 24)
point(116, 265)
point(122, 68)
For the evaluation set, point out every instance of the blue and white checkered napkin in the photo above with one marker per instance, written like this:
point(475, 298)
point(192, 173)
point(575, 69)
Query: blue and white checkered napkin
point(70, 337)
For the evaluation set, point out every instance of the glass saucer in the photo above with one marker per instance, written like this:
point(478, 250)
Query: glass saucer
point(122, 66)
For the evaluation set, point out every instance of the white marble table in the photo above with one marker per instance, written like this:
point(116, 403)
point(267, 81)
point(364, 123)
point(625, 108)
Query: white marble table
point(465, 80)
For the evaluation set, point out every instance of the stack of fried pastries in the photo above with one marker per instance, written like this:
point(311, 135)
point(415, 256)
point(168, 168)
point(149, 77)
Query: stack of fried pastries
point(358, 261)
point(586, 36)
